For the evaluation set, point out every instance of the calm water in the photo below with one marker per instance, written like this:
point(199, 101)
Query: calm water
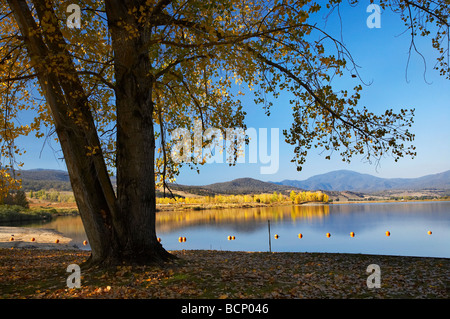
point(407, 222)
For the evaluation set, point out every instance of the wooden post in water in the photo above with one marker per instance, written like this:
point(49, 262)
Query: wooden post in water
point(270, 245)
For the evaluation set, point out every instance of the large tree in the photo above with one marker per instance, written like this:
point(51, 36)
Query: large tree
point(114, 89)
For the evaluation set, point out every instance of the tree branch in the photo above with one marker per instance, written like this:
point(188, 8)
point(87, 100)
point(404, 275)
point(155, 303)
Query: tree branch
point(178, 61)
point(431, 13)
point(99, 77)
point(157, 9)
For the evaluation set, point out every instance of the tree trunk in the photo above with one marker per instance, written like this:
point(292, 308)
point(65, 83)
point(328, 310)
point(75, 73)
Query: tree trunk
point(135, 138)
point(119, 229)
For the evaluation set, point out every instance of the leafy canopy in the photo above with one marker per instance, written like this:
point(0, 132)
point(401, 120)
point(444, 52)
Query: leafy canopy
point(202, 53)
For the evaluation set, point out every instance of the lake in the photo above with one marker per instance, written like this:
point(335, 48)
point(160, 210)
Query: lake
point(407, 222)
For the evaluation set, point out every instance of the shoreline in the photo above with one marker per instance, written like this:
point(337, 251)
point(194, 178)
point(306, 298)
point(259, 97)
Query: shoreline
point(181, 207)
point(51, 210)
point(34, 238)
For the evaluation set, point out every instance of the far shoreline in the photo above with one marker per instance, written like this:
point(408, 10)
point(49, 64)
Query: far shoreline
point(181, 206)
point(50, 210)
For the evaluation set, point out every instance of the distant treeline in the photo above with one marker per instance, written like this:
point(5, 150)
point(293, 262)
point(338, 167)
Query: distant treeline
point(20, 197)
point(398, 198)
point(52, 196)
point(294, 197)
point(307, 196)
point(425, 197)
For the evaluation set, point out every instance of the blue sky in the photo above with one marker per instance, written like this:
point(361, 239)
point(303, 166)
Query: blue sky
point(382, 55)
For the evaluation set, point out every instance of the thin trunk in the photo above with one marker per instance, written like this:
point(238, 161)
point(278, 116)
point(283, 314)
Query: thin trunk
point(88, 175)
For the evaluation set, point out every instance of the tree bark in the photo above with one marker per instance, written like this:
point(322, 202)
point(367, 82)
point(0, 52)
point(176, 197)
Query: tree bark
point(135, 136)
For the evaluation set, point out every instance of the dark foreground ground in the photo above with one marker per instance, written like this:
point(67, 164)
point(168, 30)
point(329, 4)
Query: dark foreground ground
point(34, 273)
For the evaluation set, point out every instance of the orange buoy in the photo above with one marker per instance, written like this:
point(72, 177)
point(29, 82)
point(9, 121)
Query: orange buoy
point(429, 232)
point(229, 237)
point(233, 238)
point(32, 239)
point(159, 240)
point(352, 234)
point(184, 239)
point(85, 242)
point(276, 236)
point(56, 241)
point(328, 235)
point(300, 235)
point(388, 233)
point(180, 239)
point(11, 239)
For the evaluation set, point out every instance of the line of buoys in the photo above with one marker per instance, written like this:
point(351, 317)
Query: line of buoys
point(33, 239)
point(352, 234)
point(276, 236)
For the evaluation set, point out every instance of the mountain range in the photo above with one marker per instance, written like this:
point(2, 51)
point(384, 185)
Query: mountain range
point(345, 180)
point(341, 180)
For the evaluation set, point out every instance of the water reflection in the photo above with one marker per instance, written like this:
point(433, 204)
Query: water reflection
point(209, 229)
point(246, 220)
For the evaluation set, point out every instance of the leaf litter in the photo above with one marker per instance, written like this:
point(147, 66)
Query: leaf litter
point(32, 273)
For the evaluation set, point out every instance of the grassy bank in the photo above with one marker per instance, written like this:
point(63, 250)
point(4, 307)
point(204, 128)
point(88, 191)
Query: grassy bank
point(224, 274)
point(13, 213)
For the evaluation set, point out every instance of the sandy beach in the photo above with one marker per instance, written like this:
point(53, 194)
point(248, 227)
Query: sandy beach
point(23, 237)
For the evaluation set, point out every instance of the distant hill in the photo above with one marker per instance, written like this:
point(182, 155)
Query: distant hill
point(236, 186)
point(37, 179)
point(345, 180)
point(45, 174)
